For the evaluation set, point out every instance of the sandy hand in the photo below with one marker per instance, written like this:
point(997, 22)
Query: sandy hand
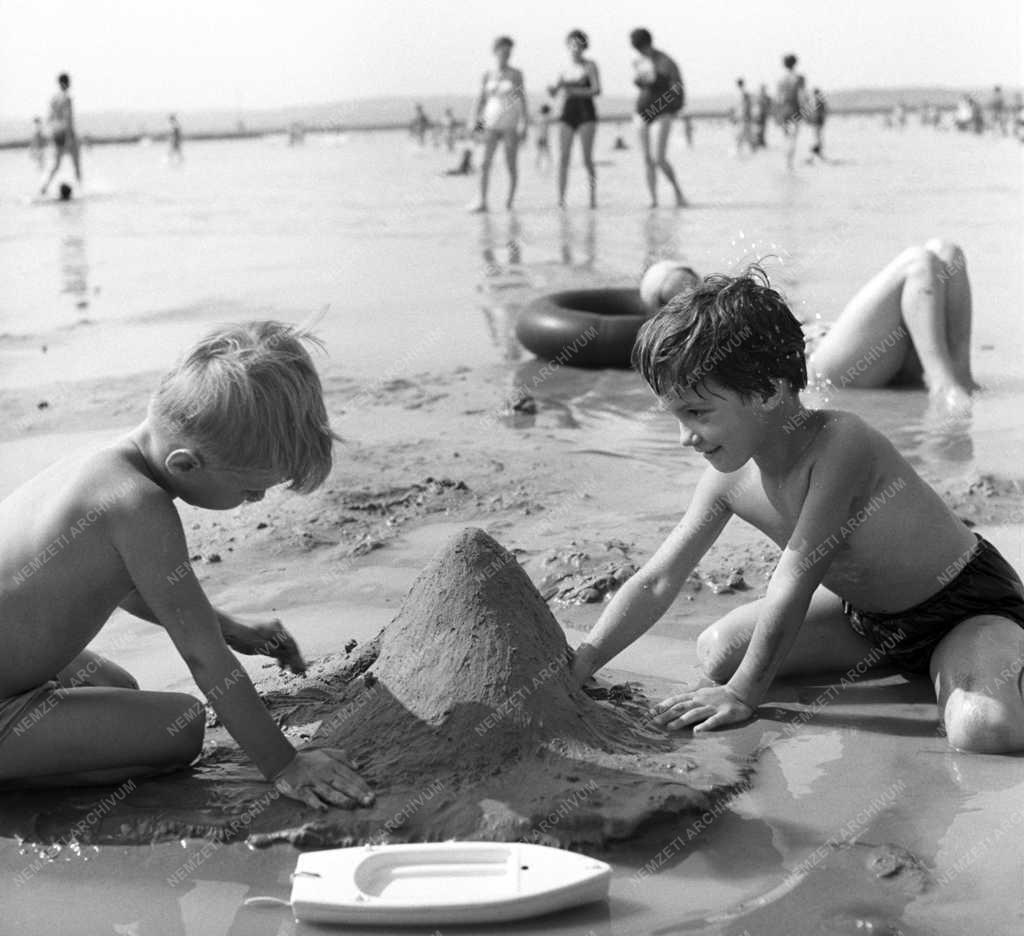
point(322, 777)
point(266, 638)
point(703, 709)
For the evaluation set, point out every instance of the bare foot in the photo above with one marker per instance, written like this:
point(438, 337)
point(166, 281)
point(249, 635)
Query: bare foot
point(478, 208)
point(950, 400)
point(681, 201)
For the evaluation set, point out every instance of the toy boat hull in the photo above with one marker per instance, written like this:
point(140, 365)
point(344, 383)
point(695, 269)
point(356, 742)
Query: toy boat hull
point(447, 882)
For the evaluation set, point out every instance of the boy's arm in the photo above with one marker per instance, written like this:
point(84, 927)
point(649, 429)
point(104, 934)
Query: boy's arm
point(840, 475)
point(147, 533)
point(263, 638)
point(648, 594)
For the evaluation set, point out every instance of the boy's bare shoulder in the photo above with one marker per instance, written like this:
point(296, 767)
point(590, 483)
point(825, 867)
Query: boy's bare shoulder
point(849, 449)
point(846, 433)
point(114, 480)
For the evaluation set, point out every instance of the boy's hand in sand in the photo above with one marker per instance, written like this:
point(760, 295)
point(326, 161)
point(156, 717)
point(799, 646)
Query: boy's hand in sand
point(263, 638)
point(321, 777)
point(703, 709)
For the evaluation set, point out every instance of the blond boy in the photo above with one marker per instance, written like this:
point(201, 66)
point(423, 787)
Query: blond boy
point(241, 412)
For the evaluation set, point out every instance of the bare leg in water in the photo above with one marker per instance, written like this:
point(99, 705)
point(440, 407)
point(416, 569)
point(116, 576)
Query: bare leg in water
point(566, 135)
point(909, 323)
point(491, 142)
point(511, 141)
point(658, 159)
point(587, 132)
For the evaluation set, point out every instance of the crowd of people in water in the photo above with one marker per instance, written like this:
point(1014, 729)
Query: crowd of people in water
point(501, 118)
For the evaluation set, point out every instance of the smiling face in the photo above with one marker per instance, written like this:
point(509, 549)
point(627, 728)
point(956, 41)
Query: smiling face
point(719, 424)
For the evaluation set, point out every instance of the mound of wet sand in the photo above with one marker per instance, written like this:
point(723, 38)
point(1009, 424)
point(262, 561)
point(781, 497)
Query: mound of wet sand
point(462, 715)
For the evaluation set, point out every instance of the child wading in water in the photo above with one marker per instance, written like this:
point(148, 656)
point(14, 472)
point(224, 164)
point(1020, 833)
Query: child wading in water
point(872, 559)
point(241, 412)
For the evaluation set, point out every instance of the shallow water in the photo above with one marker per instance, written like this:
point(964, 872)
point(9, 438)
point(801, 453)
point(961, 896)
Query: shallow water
point(364, 231)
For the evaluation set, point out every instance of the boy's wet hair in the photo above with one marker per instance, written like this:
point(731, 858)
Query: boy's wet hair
point(505, 41)
point(248, 397)
point(788, 61)
point(736, 330)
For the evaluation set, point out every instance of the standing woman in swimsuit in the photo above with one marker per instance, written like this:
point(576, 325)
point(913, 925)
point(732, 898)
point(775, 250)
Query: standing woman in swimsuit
point(793, 105)
point(502, 114)
point(579, 84)
point(661, 98)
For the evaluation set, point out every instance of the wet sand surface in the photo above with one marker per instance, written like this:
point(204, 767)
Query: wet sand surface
point(856, 816)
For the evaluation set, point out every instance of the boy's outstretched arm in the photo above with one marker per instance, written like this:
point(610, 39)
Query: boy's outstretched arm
point(262, 638)
point(638, 605)
point(147, 533)
point(841, 476)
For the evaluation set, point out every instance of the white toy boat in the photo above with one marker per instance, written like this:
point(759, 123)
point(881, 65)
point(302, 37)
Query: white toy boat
point(446, 882)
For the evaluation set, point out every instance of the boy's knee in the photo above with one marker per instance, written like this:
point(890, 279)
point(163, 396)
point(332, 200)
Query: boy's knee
point(981, 725)
point(118, 677)
point(715, 654)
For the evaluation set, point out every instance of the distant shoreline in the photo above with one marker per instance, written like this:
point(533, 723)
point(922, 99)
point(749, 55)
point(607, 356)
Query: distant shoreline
point(627, 117)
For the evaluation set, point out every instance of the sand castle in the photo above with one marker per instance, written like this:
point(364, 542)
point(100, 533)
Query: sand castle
point(462, 715)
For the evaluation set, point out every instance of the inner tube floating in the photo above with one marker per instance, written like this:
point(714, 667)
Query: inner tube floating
point(583, 327)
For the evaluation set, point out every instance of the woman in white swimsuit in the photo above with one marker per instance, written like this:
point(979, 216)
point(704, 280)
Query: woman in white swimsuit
point(501, 113)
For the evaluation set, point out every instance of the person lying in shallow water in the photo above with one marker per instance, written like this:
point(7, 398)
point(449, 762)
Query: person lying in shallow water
point(874, 567)
point(241, 412)
point(909, 324)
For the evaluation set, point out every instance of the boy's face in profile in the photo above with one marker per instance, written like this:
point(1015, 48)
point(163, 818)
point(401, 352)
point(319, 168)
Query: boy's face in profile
point(214, 488)
point(718, 423)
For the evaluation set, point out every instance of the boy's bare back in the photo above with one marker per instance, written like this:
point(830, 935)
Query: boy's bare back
point(62, 576)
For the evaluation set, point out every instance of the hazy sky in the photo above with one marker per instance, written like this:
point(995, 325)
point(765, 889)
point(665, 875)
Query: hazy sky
point(192, 54)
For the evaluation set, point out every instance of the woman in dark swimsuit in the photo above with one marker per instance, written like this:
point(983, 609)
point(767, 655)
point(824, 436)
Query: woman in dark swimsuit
point(661, 98)
point(579, 84)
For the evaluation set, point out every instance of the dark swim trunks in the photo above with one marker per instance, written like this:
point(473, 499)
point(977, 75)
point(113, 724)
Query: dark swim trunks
point(987, 584)
point(60, 138)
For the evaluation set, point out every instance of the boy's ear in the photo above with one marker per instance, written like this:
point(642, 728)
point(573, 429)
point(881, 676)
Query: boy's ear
point(182, 461)
point(766, 404)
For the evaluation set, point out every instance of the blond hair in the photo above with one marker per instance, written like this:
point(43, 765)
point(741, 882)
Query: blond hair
point(249, 398)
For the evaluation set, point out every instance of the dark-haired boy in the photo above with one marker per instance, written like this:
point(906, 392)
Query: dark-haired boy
point(872, 558)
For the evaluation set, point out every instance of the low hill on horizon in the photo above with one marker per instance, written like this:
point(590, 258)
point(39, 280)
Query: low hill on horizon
point(386, 112)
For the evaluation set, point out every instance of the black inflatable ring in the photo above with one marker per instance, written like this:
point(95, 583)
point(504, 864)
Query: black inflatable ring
point(583, 327)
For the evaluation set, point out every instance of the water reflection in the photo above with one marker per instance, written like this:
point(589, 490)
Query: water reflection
point(503, 281)
point(578, 241)
point(72, 258)
point(662, 237)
